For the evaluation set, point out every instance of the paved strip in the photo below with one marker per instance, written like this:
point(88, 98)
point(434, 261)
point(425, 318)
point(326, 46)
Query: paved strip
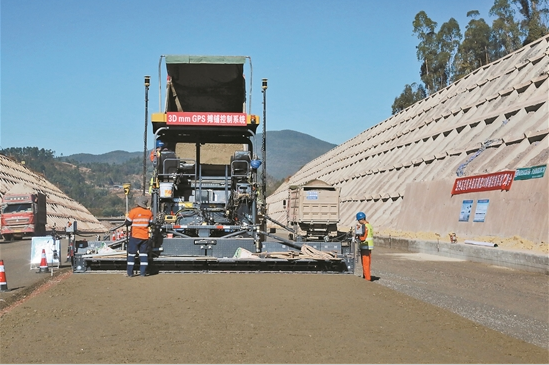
point(510, 301)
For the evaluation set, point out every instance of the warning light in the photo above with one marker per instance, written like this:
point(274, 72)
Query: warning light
point(252, 119)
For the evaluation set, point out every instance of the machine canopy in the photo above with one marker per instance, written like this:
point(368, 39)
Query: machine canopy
point(206, 84)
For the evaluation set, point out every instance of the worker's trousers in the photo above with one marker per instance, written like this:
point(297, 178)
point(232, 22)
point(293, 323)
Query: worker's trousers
point(136, 245)
point(366, 256)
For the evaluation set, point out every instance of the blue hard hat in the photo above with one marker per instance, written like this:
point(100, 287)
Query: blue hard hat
point(360, 215)
point(159, 143)
point(255, 164)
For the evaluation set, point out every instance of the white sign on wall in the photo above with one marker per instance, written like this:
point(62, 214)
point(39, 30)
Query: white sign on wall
point(482, 208)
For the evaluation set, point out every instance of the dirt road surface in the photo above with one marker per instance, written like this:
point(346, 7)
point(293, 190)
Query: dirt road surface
point(243, 318)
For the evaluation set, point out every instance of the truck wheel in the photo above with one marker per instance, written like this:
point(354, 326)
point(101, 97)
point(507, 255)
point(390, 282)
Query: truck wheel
point(8, 237)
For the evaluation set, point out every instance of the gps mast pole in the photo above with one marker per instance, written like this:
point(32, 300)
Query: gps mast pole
point(147, 83)
point(264, 148)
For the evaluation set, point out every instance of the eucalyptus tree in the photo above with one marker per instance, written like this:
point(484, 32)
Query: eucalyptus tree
point(445, 57)
point(424, 29)
point(534, 24)
point(411, 94)
point(448, 41)
point(506, 34)
point(436, 50)
point(474, 49)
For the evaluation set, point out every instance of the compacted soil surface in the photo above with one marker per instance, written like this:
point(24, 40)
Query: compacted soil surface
point(242, 318)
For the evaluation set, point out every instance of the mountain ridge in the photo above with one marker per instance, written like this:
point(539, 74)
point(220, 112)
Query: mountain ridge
point(287, 152)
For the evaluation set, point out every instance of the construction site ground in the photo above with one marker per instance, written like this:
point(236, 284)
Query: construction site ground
point(420, 309)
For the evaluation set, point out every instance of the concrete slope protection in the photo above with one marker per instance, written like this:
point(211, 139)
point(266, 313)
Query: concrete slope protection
point(402, 170)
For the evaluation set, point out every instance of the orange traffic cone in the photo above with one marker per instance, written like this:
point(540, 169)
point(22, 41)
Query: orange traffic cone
point(43, 263)
point(3, 281)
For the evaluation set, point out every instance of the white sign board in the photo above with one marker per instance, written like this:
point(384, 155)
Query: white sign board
point(52, 248)
point(482, 208)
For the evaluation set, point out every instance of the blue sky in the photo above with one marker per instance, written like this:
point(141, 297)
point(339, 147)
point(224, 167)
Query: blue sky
point(72, 71)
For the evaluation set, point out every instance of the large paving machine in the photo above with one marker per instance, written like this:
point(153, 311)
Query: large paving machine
point(206, 191)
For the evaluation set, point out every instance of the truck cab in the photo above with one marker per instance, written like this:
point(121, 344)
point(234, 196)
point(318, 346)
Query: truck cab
point(23, 213)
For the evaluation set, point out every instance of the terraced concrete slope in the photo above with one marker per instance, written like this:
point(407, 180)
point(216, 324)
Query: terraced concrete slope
point(60, 208)
point(401, 171)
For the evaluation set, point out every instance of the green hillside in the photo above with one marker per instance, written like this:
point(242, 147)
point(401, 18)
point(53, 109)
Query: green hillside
point(114, 157)
point(288, 151)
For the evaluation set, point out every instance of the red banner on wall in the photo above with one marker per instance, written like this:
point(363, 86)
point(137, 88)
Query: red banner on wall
point(496, 181)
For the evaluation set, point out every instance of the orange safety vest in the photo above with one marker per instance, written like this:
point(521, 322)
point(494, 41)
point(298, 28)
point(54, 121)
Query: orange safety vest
point(140, 218)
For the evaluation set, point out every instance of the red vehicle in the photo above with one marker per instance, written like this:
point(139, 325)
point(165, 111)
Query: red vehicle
point(23, 213)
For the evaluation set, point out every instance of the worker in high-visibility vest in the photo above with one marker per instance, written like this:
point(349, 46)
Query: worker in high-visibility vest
point(155, 153)
point(139, 218)
point(365, 235)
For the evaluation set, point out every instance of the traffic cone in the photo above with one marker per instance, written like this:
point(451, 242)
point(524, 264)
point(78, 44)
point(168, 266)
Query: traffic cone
point(3, 281)
point(43, 263)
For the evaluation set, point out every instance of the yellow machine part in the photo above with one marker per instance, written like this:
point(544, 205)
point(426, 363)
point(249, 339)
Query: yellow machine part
point(158, 117)
point(170, 218)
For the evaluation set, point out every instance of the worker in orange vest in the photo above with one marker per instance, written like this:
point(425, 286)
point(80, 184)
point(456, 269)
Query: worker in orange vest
point(365, 235)
point(139, 218)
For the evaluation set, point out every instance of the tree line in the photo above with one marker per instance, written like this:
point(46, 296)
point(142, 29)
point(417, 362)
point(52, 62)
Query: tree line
point(91, 184)
point(446, 55)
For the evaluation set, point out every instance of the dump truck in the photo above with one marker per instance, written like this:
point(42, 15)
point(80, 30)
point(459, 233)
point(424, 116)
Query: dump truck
point(206, 190)
point(313, 210)
point(23, 213)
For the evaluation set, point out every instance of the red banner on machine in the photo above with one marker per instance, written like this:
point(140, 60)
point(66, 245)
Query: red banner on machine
point(206, 119)
point(496, 181)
